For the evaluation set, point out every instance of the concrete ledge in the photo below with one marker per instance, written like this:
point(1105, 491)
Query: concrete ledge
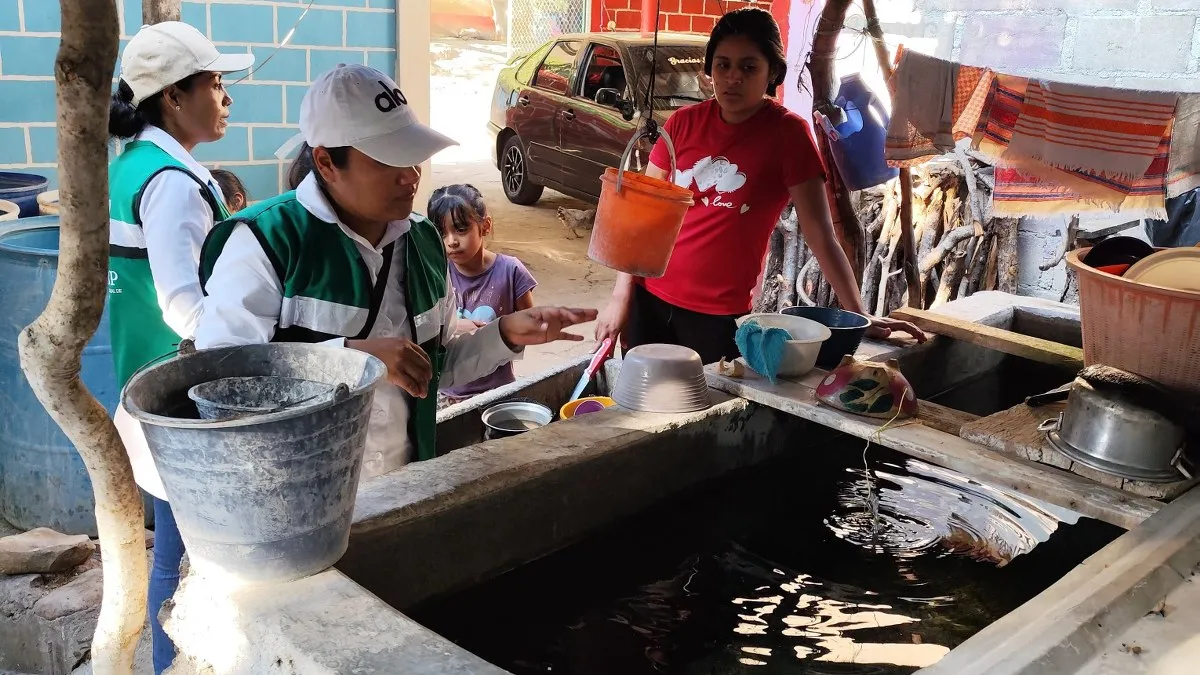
point(438, 526)
point(322, 625)
point(1071, 622)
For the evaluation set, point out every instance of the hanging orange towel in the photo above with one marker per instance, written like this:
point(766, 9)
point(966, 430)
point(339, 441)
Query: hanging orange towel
point(1030, 188)
point(994, 131)
point(1107, 132)
point(1025, 186)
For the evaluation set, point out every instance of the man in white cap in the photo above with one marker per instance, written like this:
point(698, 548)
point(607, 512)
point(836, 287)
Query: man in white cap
point(344, 260)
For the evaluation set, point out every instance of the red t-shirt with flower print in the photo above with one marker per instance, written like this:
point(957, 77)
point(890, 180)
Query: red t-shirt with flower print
point(739, 175)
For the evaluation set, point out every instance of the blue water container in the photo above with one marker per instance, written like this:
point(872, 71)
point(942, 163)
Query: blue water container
point(857, 144)
point(23, 189)
point(43, 482)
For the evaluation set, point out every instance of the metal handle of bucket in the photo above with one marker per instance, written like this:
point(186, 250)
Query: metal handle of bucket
point(186, 347)
point(629, 151)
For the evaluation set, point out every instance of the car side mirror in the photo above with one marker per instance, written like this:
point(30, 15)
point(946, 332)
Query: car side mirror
point(612, 98)
point(609, 97)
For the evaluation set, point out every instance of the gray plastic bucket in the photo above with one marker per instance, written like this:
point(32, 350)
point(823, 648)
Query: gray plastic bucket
point(259, 498)
point(235, 396)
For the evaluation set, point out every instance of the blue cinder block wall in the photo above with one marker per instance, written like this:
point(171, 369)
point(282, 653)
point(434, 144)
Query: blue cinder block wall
point(266, 107)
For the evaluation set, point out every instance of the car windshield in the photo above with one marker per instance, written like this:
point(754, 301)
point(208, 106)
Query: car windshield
point(677, 73)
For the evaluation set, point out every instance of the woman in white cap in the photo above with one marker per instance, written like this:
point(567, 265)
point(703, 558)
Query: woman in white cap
point(162, 203)
point(343, 259)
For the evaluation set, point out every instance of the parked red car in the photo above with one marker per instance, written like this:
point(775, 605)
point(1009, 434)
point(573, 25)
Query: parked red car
point(564, 113)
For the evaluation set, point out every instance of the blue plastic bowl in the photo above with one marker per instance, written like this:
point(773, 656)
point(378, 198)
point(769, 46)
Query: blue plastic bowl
point(847, 330)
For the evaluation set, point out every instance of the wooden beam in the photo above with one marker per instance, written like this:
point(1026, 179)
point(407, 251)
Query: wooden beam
point(999, 339)
point(949, 420)
point(915, 439)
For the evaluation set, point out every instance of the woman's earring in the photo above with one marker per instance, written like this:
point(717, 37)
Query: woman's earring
point(179, 107)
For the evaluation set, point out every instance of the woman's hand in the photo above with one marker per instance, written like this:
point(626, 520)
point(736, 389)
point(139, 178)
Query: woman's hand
point(882, 328)
point(408, 365)
point(612, 320)
point(540, 325)
point(468, 326)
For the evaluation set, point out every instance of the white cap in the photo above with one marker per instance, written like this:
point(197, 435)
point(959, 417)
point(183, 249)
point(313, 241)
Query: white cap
point(354, 105)
point(165, 53)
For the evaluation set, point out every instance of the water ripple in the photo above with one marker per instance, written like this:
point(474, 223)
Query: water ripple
point(928, 510)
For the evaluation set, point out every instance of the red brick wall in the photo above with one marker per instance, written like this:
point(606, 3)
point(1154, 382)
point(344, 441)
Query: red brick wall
point(694, 16)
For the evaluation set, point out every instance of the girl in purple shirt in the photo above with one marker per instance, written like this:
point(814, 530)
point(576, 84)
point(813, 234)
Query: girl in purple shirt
point(488, 285)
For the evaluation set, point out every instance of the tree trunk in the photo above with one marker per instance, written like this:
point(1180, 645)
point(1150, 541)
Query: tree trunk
point(824, 53)
point(1006, 261)
point(908, 249)
point(51, 347)
point(158, 11)
point(789, 225)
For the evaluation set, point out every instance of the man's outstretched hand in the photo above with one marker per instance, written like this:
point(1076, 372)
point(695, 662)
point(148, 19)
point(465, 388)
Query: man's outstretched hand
point(539, 325)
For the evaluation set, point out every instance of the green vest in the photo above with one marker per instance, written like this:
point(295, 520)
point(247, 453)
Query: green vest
point(328, 292)
point(139, 333)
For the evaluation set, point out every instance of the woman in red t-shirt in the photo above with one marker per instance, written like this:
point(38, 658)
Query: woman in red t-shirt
point(744, 156)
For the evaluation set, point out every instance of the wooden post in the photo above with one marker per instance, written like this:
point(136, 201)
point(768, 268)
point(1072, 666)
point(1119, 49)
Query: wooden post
point(51, 347)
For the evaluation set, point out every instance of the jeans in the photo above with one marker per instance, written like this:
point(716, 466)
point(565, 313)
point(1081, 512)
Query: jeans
point(164, 579)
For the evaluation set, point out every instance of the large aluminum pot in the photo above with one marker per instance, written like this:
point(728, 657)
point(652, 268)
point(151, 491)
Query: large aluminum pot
point(1111, 432)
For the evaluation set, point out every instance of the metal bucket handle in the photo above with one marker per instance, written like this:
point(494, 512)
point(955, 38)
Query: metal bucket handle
point(1052, 424)
point(629, 152)
point(1182, 464)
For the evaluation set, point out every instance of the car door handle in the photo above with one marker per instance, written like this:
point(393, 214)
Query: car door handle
point(568, 114)
point(524, 100)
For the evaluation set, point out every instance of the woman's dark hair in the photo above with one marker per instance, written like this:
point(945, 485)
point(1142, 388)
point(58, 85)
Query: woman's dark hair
point(303, 164)
point(462, 203)
point(758, 25)
point(127, 121)
point(230, 184)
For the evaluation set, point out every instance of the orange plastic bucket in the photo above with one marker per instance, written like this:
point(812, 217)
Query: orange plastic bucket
point(637, 219)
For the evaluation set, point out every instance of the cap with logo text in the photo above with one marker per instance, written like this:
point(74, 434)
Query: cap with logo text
point(358, 106)
point(165, 53)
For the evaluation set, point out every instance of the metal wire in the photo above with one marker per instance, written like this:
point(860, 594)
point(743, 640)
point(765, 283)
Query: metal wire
point(286, 39)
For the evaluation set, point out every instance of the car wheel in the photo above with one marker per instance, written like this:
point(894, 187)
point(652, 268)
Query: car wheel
point(514, 175)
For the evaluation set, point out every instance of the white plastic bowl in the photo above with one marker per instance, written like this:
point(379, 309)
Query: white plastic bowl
point(800, 353)
point(661, 378)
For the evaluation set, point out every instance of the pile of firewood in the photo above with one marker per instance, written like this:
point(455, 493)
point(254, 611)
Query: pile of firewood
point(959, 248)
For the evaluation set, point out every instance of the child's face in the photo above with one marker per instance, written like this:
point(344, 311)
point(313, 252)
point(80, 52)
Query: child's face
point(461, 246)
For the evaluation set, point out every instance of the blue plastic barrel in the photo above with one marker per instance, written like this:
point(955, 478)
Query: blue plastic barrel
point(857, 144)
point(23, 189)
point(43, 482)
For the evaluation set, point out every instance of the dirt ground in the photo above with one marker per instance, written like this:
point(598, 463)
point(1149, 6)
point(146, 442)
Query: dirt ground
point(463, 76)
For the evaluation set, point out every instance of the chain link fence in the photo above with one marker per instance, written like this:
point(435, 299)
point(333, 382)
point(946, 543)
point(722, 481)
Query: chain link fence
point(532, 22)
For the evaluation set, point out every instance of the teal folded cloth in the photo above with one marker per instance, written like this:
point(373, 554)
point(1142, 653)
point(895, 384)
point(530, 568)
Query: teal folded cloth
point(762, 348)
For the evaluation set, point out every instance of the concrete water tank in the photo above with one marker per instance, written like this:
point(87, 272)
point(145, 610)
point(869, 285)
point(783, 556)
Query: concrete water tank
point(43, 482)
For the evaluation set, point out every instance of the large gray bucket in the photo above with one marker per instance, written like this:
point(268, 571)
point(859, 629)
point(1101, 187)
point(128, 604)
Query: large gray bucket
point(266, 497)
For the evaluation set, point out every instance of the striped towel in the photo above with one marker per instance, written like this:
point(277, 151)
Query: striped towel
point(1109, 132)
point(1183, 173)
point(1030, 188)
point(1025, 186)
point(994, 131)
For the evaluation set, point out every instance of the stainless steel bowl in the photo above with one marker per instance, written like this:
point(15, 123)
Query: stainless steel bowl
point(1112, 433)
point(514, 417)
